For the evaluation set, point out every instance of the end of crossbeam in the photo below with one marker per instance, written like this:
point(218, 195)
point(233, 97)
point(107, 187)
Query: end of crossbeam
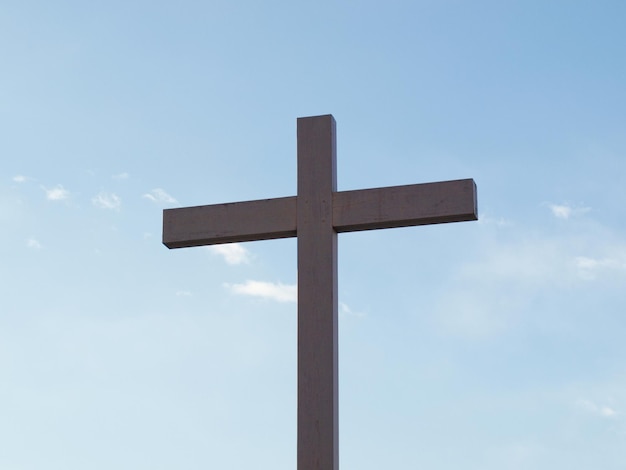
point(229, 223)
point(405, 206)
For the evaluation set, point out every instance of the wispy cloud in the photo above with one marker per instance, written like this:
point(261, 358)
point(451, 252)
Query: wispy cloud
point(106, 200)
point(604, 411)
point(121, 176)
point(33, 244)
point(267, 290)
point(183, 293)
point(233, 253)
point(21, 178)
point(489, 295)
point(591, 268)
point(529, 262)
point(565, 211)
point(158, 195)
point(344, 309)
point(58, 193)
point(279, 292)
point(497, 221)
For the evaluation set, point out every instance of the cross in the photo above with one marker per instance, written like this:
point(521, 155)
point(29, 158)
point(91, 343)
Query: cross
point(315, 216)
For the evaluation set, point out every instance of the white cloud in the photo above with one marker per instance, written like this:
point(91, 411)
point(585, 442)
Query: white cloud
point(548, 262)
point(58, 193)
point(530, 262)
point(565, 211)
point(233, 253)
point(20, 178)
point(267, 290)
point(607, 411)
point(561, 212)
point(33, 243)
point(183, 293)
point(345, 310)
point(591, 268)
point(158, 195)
point(121, 176)
point(106, 200)
point(498, 221)
point(595, 409)
point(493, 293)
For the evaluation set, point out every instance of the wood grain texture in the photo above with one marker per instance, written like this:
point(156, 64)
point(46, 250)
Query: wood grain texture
point(227, 223)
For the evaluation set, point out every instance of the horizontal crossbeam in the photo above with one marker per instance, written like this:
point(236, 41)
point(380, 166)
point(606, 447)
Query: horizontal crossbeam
point(264, 219)
point(405, 206)
point(365, 209)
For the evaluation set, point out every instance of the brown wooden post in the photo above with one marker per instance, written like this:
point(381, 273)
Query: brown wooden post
point(318, 439)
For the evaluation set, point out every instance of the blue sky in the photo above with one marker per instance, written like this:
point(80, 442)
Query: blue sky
point(484, 345)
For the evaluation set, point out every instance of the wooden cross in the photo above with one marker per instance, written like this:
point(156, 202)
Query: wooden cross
point(315, 216)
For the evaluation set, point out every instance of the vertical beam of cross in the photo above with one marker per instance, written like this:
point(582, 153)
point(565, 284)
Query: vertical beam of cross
point(318, 440)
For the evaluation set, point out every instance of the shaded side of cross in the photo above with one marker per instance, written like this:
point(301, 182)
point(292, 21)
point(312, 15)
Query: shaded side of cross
point(315, 216)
